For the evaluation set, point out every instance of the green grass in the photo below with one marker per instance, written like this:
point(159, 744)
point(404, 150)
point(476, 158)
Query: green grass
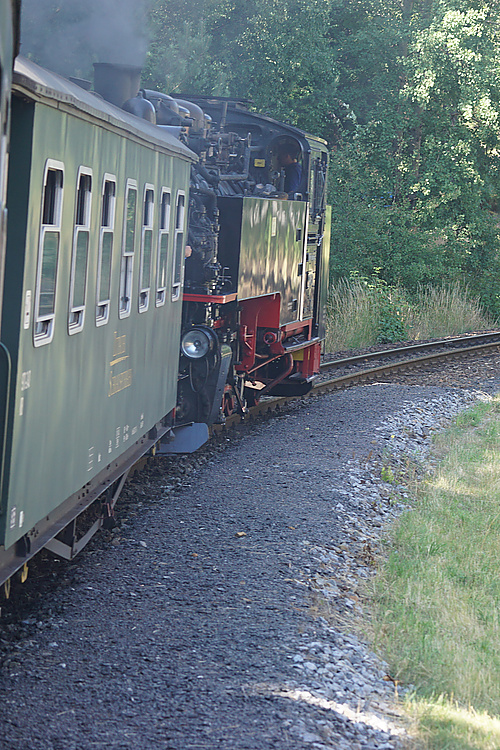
point(363, 312)
point(350, 316)
point(445, 725)
point(437, 597)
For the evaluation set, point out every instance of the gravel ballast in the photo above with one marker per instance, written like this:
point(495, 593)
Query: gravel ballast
point(217, 615)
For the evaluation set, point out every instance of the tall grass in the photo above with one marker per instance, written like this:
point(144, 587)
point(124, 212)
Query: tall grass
point(437, 599)
point(363, 312)
point(351, 321)
point(446, 311)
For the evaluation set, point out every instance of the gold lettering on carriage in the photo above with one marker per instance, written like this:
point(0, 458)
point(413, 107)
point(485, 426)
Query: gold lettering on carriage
point(122, 379)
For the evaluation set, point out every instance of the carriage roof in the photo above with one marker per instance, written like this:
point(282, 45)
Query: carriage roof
point(40, 85)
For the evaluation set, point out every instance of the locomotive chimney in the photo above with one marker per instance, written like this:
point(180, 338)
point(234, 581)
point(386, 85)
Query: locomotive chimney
point(116, 83)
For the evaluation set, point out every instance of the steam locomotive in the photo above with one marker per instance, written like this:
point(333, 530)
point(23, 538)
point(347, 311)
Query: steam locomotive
point(160, 274)
point(258, 271)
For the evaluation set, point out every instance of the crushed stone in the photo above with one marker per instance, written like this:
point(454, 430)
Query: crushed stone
point(217, 614)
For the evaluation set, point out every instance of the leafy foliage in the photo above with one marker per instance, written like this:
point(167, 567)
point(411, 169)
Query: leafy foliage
point(248, 48)
point(407, 93)
point(424, 158)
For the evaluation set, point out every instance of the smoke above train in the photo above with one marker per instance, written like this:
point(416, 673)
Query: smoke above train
point(69, 36)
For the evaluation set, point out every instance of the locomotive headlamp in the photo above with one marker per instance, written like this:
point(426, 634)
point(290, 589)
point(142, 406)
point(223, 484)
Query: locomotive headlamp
point(196, 343)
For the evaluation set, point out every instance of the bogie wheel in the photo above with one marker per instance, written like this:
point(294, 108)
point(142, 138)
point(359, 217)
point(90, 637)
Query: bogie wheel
point(228, 401)
point(23, 573)
point(6, 588)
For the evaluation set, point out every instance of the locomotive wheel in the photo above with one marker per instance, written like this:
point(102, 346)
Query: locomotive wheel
point(6, 588)
point(191, 406)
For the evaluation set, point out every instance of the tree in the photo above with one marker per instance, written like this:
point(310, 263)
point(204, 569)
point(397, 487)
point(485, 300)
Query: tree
point(406, 92)
point(179, 49)
point(427, 145)
point(251, 49)
point(272, 46)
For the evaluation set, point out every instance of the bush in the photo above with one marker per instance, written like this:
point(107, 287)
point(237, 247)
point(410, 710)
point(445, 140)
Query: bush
point(393, 310)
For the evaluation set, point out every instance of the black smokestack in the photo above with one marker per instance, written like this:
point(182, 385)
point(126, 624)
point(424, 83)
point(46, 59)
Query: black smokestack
point(116, 83)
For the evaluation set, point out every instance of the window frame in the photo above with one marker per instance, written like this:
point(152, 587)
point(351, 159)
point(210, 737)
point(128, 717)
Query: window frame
point(104, 305)
point(127, 256)
point(76, 313)
point(147, 226)
point(45, 336)
point(163, 231)
point(178, 258)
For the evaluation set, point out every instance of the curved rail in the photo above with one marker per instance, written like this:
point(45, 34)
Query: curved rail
point(487, 341)
point(271, 404)
point(452, 342)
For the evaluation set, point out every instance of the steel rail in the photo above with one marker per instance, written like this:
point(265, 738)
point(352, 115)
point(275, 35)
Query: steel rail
point(407, 364)
point(269, 405)
point(411, 347)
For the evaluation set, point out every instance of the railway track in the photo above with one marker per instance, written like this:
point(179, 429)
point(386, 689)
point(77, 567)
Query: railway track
point(192, 579)
point(449, 344)
point(354, 370)
point(397, 359)
point(219, 586)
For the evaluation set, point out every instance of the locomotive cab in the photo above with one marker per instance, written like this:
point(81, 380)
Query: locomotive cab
point(287, 162)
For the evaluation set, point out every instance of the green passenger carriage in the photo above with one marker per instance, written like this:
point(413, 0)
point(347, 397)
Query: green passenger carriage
point(162, 271)
point(92, 305)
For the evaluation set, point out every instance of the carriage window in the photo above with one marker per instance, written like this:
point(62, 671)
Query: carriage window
point(48, 253)
point(178, 247)
point(146, 248)
point(128, 247)
point(105, 250)
point(164, 233)
point(79, 259)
